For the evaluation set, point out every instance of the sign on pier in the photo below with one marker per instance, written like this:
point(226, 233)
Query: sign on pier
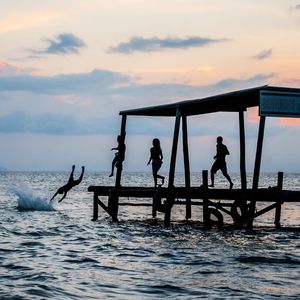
point(279, 104)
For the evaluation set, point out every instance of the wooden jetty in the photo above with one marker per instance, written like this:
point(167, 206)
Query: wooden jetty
point(240, 204)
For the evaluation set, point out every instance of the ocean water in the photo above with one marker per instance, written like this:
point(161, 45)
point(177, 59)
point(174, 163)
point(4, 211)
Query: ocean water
point(54, 250)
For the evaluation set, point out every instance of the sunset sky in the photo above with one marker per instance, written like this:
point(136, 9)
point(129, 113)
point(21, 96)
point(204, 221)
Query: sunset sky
point(67, 67)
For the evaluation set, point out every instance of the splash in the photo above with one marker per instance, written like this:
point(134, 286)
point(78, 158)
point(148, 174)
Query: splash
point(27, 200)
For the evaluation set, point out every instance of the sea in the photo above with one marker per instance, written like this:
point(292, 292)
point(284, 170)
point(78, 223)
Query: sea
point(52, 250)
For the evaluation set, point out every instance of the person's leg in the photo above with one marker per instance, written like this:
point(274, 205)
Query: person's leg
point(81, 175)
point(154, 173)
point(71, 178)
point(113, 164)
point(224, 171)
point(76, 182)
point(213, 171)
point(162, 178)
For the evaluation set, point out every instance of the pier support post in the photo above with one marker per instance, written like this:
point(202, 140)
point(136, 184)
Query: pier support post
point(95, 207)
point(242, 151)
point(170, 198)
point(122, 135)
point(187, 173)
point(278, 200)
point(113, 199)
point(259, 146)
point(206, 217)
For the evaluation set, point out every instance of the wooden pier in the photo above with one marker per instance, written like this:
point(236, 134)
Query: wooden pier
point(239, 204)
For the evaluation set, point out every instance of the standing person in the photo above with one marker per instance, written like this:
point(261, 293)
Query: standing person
point(71, 183)
point(220, 163)
point(119, 155)
point(156, 157)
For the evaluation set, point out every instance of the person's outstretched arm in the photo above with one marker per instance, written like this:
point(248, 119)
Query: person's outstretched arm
point(53, 196)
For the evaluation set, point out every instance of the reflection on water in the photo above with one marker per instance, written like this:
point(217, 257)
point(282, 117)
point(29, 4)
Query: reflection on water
point(61, 254)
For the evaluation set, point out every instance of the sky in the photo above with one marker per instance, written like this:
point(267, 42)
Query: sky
point(67, 67)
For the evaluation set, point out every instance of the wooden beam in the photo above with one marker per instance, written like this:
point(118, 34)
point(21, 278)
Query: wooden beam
point(260, 138)
point(95, 207)
point(122, 135)
point(174, 149)
point(187, 173)
point(171, 199)
point(206, 216)
point(279, 201)
point(259, 146)
point(242, 151)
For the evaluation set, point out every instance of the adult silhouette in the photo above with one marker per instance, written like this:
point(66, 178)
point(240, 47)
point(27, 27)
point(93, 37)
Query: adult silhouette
point(220, 163)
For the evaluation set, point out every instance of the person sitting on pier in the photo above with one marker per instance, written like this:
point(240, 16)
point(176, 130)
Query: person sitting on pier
point(119, 156)
point(220, 163)
point(156, 157)
point(71, 183)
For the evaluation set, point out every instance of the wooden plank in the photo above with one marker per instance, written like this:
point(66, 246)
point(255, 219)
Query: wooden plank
point(261, 195)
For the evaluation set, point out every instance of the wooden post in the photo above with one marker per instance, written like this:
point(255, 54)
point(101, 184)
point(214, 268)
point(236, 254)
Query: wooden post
point(122, 135)
point(95, 207)
point(279, 201)
point(256, 169)
point(170, 199)
point(242, 151)
point(113, 199)
point(206, 217)
point(186, 165)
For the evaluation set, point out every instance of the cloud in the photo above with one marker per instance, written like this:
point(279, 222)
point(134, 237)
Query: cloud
point(64, 43)
point(263, 54)
point(7, 69)
point(96, 81)
point(91, 102)
point(156, 44)
point(54, 124)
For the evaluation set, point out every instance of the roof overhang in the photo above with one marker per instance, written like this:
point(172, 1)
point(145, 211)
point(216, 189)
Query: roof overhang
point(229, 102)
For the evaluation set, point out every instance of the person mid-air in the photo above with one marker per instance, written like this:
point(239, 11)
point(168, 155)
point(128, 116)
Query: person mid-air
point(71, 183)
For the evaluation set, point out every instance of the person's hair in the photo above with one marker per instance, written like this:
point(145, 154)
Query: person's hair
point(219, 139)
point(156, 143)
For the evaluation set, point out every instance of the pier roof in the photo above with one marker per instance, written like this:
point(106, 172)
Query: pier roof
point(230, 102)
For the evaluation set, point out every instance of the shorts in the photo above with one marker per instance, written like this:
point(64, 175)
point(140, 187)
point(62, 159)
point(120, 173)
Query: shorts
point(219, 165)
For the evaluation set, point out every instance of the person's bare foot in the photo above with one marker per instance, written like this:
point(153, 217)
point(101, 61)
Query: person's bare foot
point(211, 185)
point(111, 175)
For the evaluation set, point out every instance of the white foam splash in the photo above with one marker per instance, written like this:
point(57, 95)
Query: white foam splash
point(27, 200)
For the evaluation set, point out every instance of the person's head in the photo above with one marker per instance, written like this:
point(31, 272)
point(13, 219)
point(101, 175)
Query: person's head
point(219, 140)
point(156, 142)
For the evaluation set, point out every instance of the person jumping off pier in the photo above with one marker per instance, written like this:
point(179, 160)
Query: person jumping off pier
point(156, 157)
point(220, 163)
point(71, 183)
point(119, 155)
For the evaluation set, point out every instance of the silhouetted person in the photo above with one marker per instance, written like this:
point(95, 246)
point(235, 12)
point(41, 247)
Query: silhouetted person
point(220, 163)
point(156, 157)
point(71, 183)
point(119, 156)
